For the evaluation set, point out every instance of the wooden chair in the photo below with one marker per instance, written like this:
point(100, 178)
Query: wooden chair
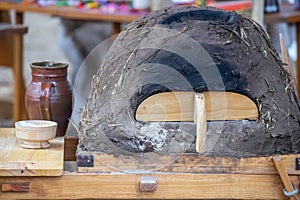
point(11, 55)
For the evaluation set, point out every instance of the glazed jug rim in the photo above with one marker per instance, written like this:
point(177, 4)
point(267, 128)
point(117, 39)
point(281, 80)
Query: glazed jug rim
point(48, 64)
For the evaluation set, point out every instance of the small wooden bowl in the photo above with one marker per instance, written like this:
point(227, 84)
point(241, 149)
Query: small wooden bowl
point(34, 134)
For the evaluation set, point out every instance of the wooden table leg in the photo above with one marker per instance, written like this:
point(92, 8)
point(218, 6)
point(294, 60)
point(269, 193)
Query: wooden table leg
point(19, 17)
point(116, 28)
point(4, 16)
point(19, 86)
point(6, 41)
point(298, 56)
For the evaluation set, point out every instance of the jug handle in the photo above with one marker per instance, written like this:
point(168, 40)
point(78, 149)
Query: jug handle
point(45, 100)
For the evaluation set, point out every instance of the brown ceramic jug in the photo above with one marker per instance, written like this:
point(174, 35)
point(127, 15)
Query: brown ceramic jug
point(49, 94)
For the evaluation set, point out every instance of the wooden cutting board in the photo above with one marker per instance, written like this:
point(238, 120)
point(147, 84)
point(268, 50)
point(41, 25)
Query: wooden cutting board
point(17, 161)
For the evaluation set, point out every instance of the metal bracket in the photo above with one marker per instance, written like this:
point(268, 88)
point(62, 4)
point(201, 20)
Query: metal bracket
point(297, 162)
point(289, 194)
point(84, 160)
point(148, 184)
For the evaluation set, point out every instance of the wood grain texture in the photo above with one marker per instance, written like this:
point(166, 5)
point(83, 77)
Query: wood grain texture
point(192, 176)
point(179, 106)
point(15, 187)
point(194, 163)
point(284, 176)
point(6, 50)
point(19, 112)
point(17, 161)
point(169, 186)
point(70, 148)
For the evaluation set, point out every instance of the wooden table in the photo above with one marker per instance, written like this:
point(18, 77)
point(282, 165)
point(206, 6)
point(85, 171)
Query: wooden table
point(17, 161)
point(288, 14)
point(74, 13)
point(192, 176)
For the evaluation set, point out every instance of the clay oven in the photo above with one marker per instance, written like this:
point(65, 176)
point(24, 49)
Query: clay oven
point(194, 49)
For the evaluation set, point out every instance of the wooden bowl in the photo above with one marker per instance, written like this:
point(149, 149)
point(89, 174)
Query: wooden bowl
point(35, 134)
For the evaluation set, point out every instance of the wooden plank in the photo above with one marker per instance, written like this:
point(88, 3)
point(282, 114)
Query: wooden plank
point(116, 28)
point(92, 15)
point(70, 148)
point(19, 112)
point(179, 106)
point(9, 30)
point(15, 187)
point(5, 16)
point(200, 120)
point(17, 161)
point(169, 186)
point(72, 12)
point(191, 163)
point(6, 50)
point(30, 8)
point(284, 176)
